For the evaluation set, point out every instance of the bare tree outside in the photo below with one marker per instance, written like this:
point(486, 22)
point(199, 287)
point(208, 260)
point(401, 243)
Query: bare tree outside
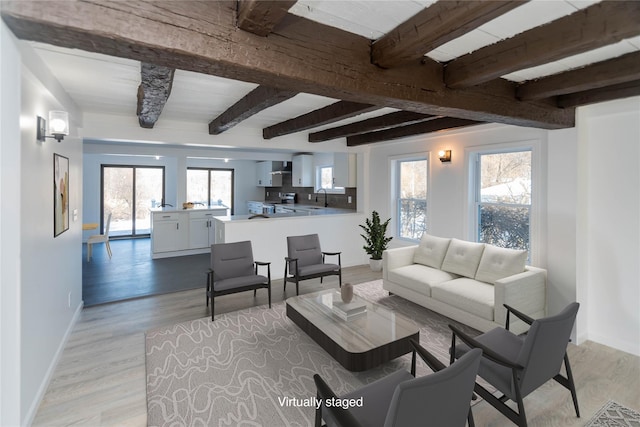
point(504, 208)
point(210, 186)
point(121, 192)
point(412, 203)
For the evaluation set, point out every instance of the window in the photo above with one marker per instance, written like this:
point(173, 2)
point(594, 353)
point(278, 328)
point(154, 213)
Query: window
point(210, 186)
point(128, 192)
point(503, 199)
point(326, 179)
point(411, 196)
point(325, 174)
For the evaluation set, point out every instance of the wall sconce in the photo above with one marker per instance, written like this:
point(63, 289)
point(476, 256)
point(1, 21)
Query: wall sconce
point(58, 126)
point(445, 156)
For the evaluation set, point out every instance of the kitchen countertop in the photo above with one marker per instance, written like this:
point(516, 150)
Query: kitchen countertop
point(195, 208)
point(302, 211)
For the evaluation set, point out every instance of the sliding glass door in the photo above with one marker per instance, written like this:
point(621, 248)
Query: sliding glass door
point(128, 192)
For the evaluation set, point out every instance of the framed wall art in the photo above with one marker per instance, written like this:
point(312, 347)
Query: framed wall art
point(60, 194)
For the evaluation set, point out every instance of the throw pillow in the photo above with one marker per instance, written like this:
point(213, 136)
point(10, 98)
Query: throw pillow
point(498, 263)
point(463, 258)
point(431, 251)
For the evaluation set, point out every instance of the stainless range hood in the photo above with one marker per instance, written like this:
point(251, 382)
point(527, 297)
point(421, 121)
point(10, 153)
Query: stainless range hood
point(285, 168)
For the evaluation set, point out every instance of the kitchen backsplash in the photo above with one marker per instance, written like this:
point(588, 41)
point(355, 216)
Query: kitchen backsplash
point(271, 194)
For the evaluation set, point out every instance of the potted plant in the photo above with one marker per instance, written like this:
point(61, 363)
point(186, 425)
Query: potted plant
point(375, 239)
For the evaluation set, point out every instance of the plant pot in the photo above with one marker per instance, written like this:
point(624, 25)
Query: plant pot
point(375, 264)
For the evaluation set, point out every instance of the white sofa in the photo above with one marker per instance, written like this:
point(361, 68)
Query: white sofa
point(466, 281)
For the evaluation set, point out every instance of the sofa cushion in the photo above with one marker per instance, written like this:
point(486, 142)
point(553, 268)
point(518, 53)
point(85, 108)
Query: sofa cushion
point(466, 294)
point(463, 258)
point(497, 263)
point(431, 251)
point(418, 277)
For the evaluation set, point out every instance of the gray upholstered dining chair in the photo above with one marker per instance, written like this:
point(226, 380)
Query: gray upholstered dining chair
point(400, 399)
point(234, 270)
point(517, 365)
point(306, 260)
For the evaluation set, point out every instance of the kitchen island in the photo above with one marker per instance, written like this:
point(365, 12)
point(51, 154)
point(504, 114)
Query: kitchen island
point(178, 232)
point(337, 228)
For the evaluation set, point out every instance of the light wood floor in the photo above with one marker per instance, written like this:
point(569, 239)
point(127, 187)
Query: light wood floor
point(100, 380)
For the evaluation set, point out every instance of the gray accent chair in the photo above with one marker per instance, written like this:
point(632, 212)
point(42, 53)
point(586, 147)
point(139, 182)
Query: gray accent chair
point(306, 260)
point(400, 399)
point(234, 270)
point(516, 365)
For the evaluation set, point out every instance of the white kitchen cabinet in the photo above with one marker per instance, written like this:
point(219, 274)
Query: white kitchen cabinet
point(177, 233)
point(302, 171)
point(265, 178)
point(170, 232)
point(202, 228)
point(344, 170)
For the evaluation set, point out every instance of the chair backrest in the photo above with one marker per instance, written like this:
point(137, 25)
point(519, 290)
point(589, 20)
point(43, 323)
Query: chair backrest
point(544, 348)
point(232, 260)
point(305, 248)
point(439, 399)
point(108, 226)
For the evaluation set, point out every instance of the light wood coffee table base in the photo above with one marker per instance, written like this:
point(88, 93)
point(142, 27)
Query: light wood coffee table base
point(358, 344)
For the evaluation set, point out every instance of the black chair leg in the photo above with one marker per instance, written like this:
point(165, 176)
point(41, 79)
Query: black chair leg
point(212, 306)
point(254, 292)
point(572, 386)
point(522, 417)
point(318, 422)
point(470, 421)
point(208, 288)
point(269, 293)
point(285, 276)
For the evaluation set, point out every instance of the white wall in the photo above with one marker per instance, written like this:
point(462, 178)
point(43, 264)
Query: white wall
point(562, 164)
point(10, 245)
point(48, 285)
point(447, 182)
point(609, 222)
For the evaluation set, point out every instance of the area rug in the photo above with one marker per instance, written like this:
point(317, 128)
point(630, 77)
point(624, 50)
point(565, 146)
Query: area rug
point(255, 367)
point(614, 414)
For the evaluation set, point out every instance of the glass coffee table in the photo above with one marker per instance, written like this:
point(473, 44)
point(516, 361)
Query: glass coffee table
point(362, 342)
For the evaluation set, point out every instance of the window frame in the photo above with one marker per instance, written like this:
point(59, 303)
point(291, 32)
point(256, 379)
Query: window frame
point(395, 162)
point(133, 168)
point(209, 170)
point(472, 160)
point(333, 189)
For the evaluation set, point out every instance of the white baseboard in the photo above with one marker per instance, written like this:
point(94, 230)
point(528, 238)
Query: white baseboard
point(622, 345)
point(52, 367)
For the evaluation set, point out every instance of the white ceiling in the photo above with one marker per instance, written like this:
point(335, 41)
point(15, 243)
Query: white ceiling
point(108, 85)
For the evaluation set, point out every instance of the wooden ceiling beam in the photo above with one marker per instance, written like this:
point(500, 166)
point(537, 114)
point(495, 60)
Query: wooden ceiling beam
point(599, 25)
point(255, 101)
point(622, 69)
point(434, 26)
point(609, 93)
point(300, 55)
point(261, 16)
point(398, 118)
point(153, 92)
point(323, 116)
point(435, 125)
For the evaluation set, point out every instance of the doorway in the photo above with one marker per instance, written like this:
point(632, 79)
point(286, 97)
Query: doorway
point(128, 194)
